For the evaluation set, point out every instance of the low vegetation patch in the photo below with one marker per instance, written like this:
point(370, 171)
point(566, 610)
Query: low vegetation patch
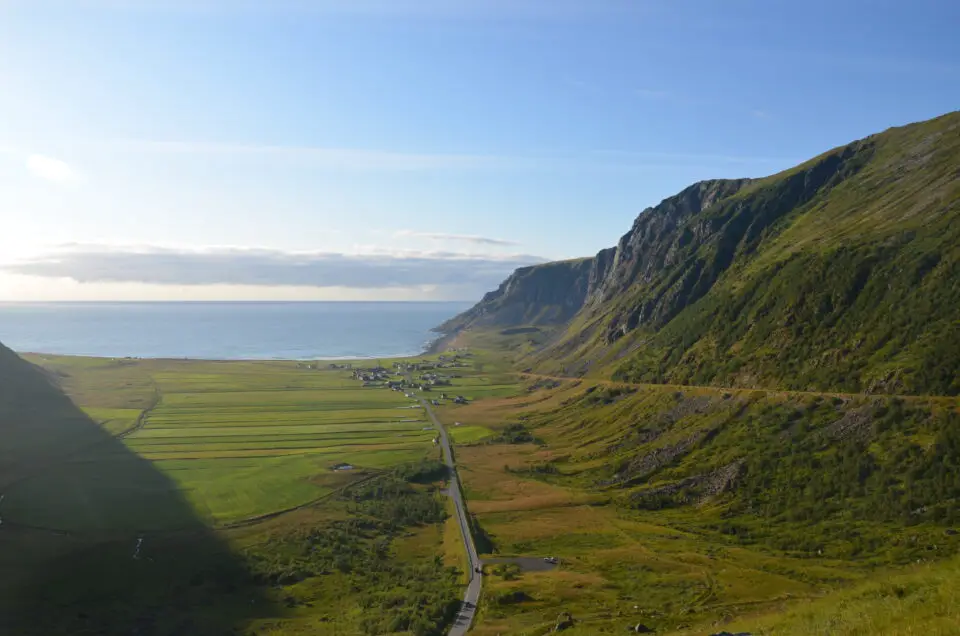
point(425, 471)
point(393, 595)
point(510, 597)
point(515, 433)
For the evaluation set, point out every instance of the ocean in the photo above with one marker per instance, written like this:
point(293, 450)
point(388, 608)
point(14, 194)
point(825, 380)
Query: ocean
point(225, 330)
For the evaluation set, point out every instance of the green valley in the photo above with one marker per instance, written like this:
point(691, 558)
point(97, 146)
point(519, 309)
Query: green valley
point(260, 497)
point(744, 417)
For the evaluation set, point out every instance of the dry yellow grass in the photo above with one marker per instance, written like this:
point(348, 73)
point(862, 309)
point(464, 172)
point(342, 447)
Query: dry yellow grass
point(617, 567)
point(491, 488)
point(495, 412)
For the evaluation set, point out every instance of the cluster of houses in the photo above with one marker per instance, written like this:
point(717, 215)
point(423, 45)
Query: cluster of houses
point(443, 362)
point(435, 379)
point(371, 376)
point(397, 380)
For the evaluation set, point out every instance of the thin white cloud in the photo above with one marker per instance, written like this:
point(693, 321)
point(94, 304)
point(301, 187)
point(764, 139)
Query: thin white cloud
point(325, 157)
point(650, 93)
point(353, 159)
point(368, 268)
point(52, 169)
point(466, 238)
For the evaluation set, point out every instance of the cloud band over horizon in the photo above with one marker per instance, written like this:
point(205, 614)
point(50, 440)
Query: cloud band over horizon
point(459, 275)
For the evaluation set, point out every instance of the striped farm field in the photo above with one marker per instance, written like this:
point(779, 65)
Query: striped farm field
point(166, 417)
point(233, 440)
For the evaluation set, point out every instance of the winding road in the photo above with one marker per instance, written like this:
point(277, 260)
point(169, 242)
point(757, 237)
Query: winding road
point(472, 596)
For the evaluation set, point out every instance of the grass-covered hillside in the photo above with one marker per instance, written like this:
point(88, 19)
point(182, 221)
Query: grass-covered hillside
point(690, 509)
point(839, 274)
point(808, 474)
point(751, 422)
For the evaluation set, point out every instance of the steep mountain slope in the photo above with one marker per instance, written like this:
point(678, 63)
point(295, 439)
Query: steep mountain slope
point(553, 293)
point(547, 294)
point(838, 274)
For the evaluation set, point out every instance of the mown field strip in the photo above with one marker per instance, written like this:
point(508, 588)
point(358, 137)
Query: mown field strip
point(180, 387)
point(291, 464)
point(406, 420)
point(319, 431)
point(273, 407)
point(226, 417)
point(154, 445)
point(332, 450)
point(198, 435)
point(318, 400)
point(287, 406)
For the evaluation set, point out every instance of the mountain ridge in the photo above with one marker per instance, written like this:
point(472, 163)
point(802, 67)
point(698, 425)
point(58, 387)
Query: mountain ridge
point(843, 261)
point(586, 275)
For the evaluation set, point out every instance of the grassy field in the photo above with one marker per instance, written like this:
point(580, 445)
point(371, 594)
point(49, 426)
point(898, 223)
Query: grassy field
point(216, 490)
point(238, 440)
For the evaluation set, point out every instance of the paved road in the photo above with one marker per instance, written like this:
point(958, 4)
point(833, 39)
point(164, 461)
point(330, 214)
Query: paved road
point(472, 596)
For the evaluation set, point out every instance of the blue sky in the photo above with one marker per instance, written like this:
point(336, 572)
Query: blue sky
point(411, 149)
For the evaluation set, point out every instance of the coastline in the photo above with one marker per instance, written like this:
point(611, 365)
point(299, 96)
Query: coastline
point(441, 343)
point(40, 354)
point(319, 332)
point(433, 346)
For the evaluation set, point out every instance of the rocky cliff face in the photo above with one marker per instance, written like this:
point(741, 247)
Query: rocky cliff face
point(655, 240)
point(674, 256)
point(552, 293)
point(548, 294)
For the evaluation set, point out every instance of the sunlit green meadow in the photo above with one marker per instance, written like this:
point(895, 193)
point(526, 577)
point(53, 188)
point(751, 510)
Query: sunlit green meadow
point(239, 440)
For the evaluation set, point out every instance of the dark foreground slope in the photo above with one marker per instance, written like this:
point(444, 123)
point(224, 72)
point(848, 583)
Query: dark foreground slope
point(79, 574)
point(839, 274)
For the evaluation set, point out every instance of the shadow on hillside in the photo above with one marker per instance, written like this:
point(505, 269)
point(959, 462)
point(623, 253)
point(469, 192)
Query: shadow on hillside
point(76, 504)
